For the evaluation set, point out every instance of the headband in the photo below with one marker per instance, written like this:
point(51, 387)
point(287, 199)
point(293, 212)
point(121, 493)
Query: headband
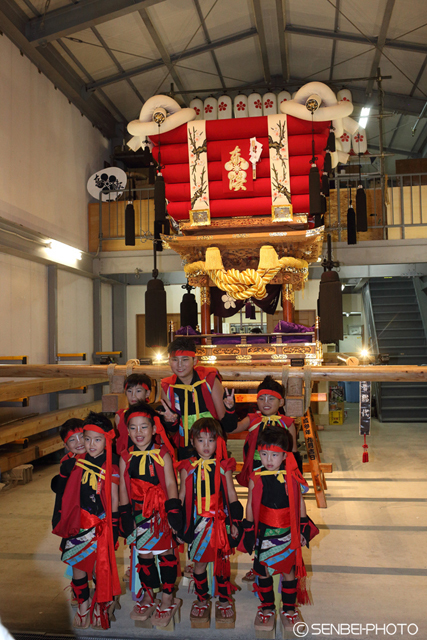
point(269, 392)
point(182, 352)
point(109, 435)
point(271, 447)
point(141, 414)
point(141, 384)
point(72, 433)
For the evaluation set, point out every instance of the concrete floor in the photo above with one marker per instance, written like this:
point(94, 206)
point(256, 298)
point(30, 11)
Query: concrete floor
point(367, 567)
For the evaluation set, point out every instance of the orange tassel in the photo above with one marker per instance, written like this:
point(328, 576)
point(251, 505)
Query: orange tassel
point(365, 457)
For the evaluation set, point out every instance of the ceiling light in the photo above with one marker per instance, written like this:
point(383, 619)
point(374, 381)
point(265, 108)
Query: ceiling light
point(61, 252)
point(363, 120)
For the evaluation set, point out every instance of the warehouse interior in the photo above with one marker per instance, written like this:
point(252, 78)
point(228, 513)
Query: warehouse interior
point(73, 75)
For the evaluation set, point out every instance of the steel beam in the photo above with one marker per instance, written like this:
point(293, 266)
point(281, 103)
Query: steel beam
point(209, 41)
point(334, 43)
point(420, 143)
point(120, 340)
point(77, 17)
point(355, 38)
point(414, 87)
point(162, 50)
point(174, 58)
point(380, 43)
point(397, 152)
point(52, 325)
point(283, 41)
point(48, 61)
point(259, 23)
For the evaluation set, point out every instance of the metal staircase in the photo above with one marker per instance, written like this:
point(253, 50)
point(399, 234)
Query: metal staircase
point(400, 332)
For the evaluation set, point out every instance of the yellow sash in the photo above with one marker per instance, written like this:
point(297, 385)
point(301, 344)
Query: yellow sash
point(189, 388)
point(91, 475)
point(280, 473)
point(205, 465)
point(153, 453)
point(265, 420)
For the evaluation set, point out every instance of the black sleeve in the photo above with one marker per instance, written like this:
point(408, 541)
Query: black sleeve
point(172, 427)
point(58, 485)
point(229, 422)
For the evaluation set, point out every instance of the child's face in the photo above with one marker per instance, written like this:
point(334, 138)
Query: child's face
point(182, 366)
point(136, 394)
point(94, 443)
point(205, 445)
point(269, 405)
point(76, 443)
point(271, 460)
point(140, 431)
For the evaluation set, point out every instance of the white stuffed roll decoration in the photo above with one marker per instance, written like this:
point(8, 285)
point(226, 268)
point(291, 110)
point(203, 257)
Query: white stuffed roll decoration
point(225, 107)
point(269, 104)
point(329, 109)
point(210, 108)
point(197, 105)
point(359, 141)
point(254, 105)
point(338, 128)
point(241, 106)
point(350, 125)
point(171, 117)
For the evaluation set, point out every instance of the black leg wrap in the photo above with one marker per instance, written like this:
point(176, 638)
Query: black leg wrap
point(265, 591)
point(81, 589)
point(168, 572)
point(201, 585)
point(224, 588)
point(298, 459)
point(148, 574)
point(289, 594)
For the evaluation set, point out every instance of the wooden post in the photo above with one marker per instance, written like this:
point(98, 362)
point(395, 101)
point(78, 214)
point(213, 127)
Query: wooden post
point(288, 302)
point(205, 300)
point(217, 324)
point(317, 475)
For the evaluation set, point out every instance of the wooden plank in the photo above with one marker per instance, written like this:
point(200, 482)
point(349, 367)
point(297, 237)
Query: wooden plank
point(251, 397)
point(326, 467)
point(314, 460)
point(43, 447)
point(10, 390)
point(31, 426)
point(376, 373)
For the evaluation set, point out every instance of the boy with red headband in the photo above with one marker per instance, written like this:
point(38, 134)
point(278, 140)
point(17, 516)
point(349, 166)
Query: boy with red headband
point(137, 388)
point(89, 522)
point(212, 520)
point(270, 400)
point(149, 511)
point(277, 526)
point(192, 392)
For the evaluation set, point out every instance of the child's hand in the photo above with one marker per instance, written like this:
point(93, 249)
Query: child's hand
point(168, 414)
point(229, 400)
point(179, 540)
point(303, 541)
point(234, 531)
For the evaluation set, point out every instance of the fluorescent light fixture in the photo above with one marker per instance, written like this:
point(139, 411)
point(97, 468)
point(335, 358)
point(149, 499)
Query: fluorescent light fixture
point(363, 120)
point(63, 252)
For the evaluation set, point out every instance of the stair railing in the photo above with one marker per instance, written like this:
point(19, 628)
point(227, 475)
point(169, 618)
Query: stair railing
point(373, 339)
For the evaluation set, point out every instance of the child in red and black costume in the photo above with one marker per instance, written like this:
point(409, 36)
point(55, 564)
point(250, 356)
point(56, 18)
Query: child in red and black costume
point(71, 433)
point(192, 392)
point(149, 511)
point(270, 400)
point(212, 516)
point(137, 388)
point(277, 526)
point(88, 523)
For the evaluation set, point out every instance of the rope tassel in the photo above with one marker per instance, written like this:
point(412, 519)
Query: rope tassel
point(365, 457)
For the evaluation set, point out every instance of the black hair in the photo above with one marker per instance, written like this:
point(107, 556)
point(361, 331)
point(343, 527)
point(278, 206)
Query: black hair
point(100, 420)
point(182, 343)
point(137, 378)
point(271, 384)
point(70, 425)
point(207, 424)
point(141, 407)
point(275, 435)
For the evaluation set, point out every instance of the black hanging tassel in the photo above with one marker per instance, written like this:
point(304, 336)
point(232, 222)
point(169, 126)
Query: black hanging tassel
point(330, 146)
point(147, 156)
point(319, 220)
point(188, 309)
point(156, 328)
point(330, 307)
point(323, 204)
point(325, 184)
point(314, 190)
point(151, 173)
point(361, 211)
point(327, 165)
point(159, 198)
point(351, 226)
point(130, 225)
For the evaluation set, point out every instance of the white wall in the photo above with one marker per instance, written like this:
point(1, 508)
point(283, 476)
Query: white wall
point(48, 152)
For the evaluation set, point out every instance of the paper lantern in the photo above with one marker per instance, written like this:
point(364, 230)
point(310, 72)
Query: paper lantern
point(241, 106)
point(269, 103)
point(282, 97)
point(359, 141)
point(345, 94)
point(210, 108)
point(346, 141)
point(255, 105)
point(197, 105)
point(225, 108)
